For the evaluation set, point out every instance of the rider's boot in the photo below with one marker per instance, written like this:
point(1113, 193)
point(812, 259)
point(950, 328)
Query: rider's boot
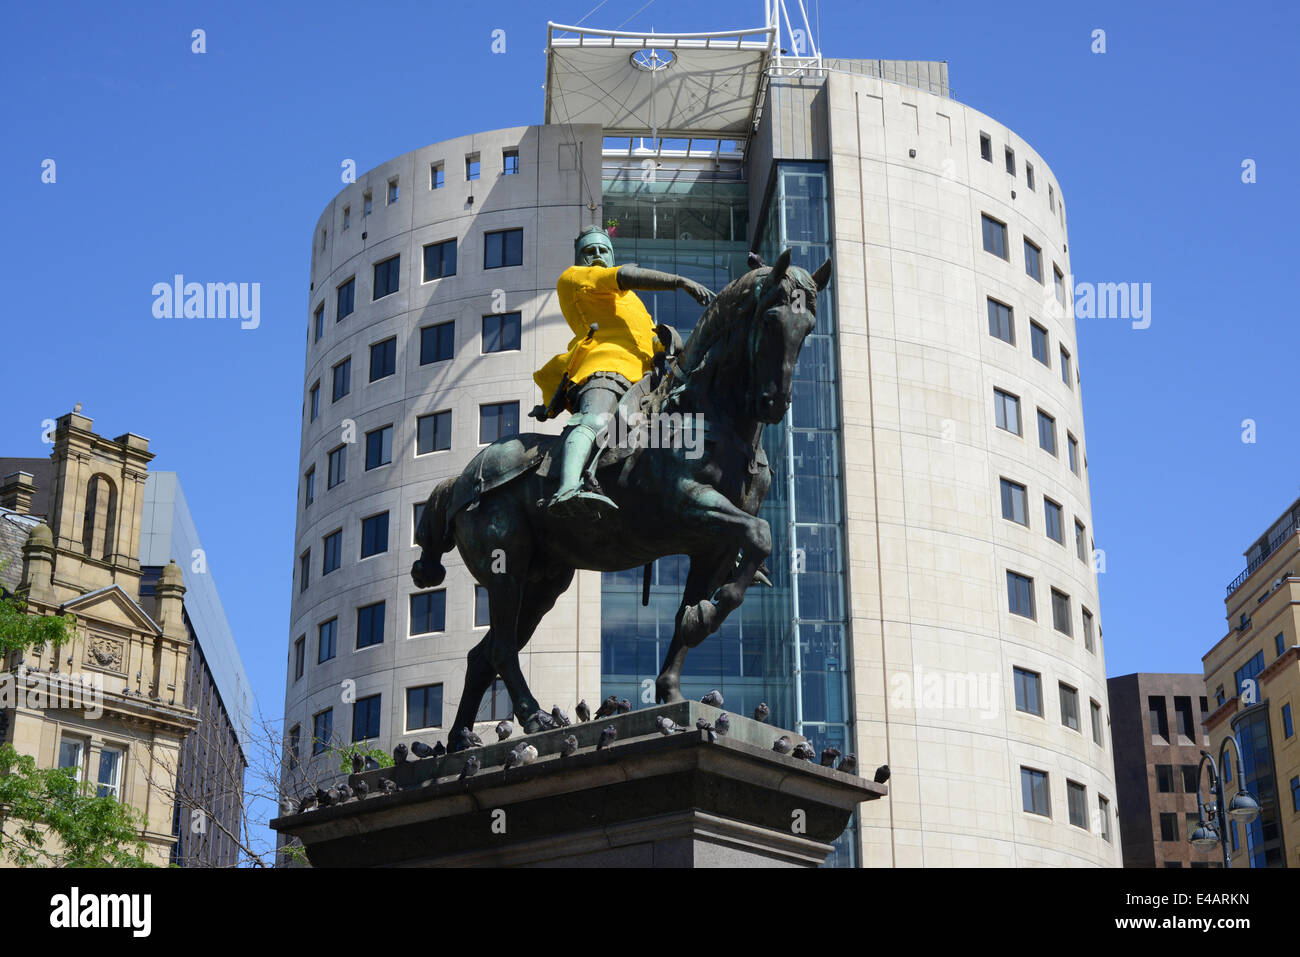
point(571, 501)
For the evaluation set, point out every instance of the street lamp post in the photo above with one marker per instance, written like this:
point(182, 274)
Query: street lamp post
point(1244, 807)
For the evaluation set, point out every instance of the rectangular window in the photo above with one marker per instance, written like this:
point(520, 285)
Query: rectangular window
point(1095, 710)
point(392, 191)
point(509, 162)
point(1159, 718)
point(338, 467)
point(319, 321)
point(1001, 323)
point(367, 203)
point(383, 359)
point(1080, 541)
point(471, 166)
point(1038, 343)
point(295, 746)
point(1006, 411)
point(1033, 262)
point(1076, 796)
point(1087, 631)
point(503, 248)
point(374, 535)
point(309, 487)
point(299, 657)
point(1065, 367)
point(1029, 174)
point(347, 218)
point(332, 551)
point(1280, 643)
point(110, 773)
point(1033, 792)
point(496, 704)
point(1072, 445)
point(501, 332)
point(1020, 594)
point(1169, 828)
point(437, 343)
point(433, 433)
point(1069, 706)
point(423, 707)
point(497, 420)
point(365, 718)
point(387, 275)
point(428, 612)
point(1029, 691)
point(345, 299)
point(482, 611)
point(370, 625)
point(72, 754)
point(1183, 721)
point(1051, 198)
point(1046, 432)
point(1295, 793)
point(440, 260)
point(379, 447)
point(1010, 156)
point(1190, 773)
point(1250, 672)
point(995, 236)
point(322, 730)
point(436, 171)
point(304, 570)
point(1052, 521)
point(313, 400)
point(1165, 778)
point(1103, 813)
point(1058, 278)
point(1061, 612)
point(1288, 728)
point(1014, 501)
point(417, 513)
point(342, 379)
point(986, 147)
point(327, 640)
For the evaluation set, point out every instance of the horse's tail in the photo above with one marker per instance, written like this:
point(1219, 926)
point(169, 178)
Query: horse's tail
point(434, 536)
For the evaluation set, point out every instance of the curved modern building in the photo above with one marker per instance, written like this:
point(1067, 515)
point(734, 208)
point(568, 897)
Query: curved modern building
point(935, 603)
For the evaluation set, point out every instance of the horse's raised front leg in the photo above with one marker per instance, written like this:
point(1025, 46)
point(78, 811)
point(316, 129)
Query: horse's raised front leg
point(706, 572)
point(714, 513)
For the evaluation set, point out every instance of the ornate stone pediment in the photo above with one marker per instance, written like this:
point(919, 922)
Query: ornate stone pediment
point(111, 605)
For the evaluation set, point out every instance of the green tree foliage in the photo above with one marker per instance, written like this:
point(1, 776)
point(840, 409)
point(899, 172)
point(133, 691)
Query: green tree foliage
point(49, 819)
point(20, 631)
point(359, 749)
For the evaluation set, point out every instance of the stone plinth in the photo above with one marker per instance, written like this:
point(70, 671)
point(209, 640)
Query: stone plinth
point(686, 800)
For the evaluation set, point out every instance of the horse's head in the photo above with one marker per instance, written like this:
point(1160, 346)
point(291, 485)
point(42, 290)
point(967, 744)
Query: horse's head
point(785, 313)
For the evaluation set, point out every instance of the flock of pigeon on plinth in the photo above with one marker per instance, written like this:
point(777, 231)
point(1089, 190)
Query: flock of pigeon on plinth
point(525, 753)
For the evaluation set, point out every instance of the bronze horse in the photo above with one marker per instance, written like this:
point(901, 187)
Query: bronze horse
point(736, 371)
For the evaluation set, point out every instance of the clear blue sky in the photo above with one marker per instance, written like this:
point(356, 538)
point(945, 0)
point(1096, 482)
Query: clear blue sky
point(217, 166)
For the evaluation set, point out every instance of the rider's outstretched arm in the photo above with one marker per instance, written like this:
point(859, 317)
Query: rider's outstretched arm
point(632, 276)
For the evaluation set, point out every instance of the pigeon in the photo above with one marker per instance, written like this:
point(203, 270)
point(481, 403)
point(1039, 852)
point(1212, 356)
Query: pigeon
point(345, 792)
point(512, 758)
point(471, 767)
point(439, 749)
point(607, 737)
point(546, 721)
point(782, 745)
point(324, 798)
point(723, 724)
point(422, 750)
point(389, 785)
point(527, 753)
point(307, 803)
point(561, 719)
point(568, 745)
point(624, 706)
point(848, 764)
point(358, 763)
point(829, 756)
point(504, 730)
point(607, 707)
point(713, 698)
point(468, 739)
point(702, 725)
point(882, 774)
point(755, 261)
point(762, 711)
point(361, 789)
point(803, 751)
point(668, 726)
point(584, 711)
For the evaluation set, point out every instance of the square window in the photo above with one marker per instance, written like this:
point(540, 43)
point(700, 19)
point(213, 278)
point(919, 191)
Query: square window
point(1065, 367)
point(497, 420)
point(345, 299)
point(299, 657)
point(1069, 706)
point(437, 343)
point(332, 551)
point(995, 236)
point(319, 321)
point(1046, 432)
point(428, 612)
point(436, 171)
point(374, 535)
point(365, 718)
point(313, 401)
point(1033, 792)
point(1076, 796)
point(370, 625)
point(342, 379)
point(1014, 502)
point(1033, 262)
point(433, 433)
point(423, 707)
point(482, 610)
point(1006, 411)
point(440, 260)
point(304, 570)
point(509, 162)
point(471, 166)
point(503, 248)
point(1087, 631)
point(338, 466)
point(383, 359)
point(986, 147)
point(1001, 323)
point(387, 275)
point(322, 730)
point(327, 640)
point(1020, 594)
point(1052, 521)
point(1061, 613)
point(1038, 343)
point(1029, 691)
point(501, 332)
point(379, 447)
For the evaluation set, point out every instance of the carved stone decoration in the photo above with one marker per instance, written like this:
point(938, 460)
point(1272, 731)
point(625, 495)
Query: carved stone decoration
point(106, 653)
